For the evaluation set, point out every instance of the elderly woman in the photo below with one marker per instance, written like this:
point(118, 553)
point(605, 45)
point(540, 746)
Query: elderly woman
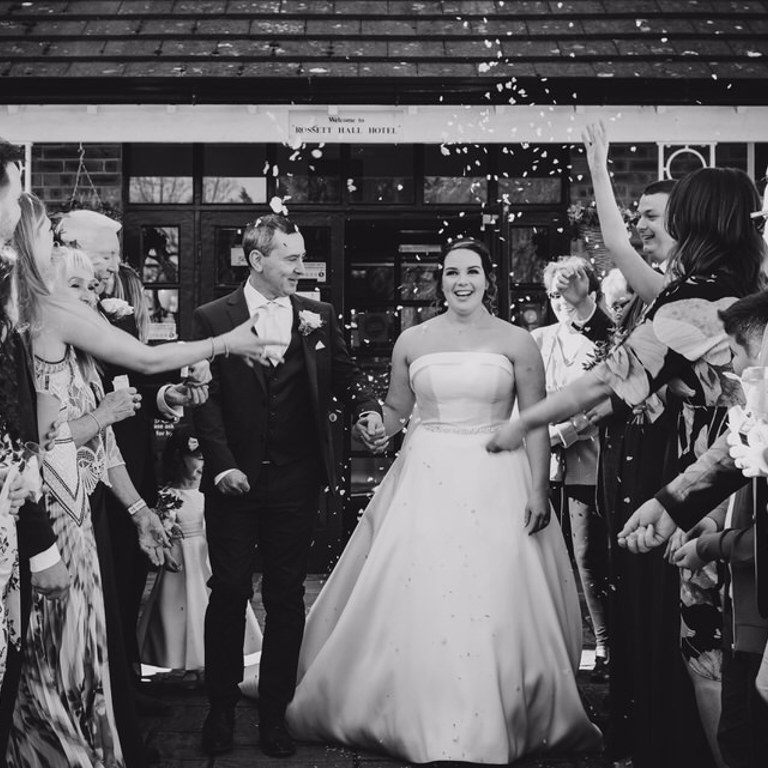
point(65, 712)
point(566, 353)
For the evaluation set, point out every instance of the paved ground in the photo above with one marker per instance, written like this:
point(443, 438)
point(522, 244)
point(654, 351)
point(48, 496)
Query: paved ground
point(174, 740)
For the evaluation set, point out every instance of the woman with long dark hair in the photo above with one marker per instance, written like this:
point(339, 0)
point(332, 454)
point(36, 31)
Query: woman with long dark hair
point(450, 628)
point(680, 343)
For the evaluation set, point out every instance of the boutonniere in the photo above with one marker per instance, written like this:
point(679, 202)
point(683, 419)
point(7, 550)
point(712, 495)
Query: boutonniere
point(309, 321)
point(116, 308)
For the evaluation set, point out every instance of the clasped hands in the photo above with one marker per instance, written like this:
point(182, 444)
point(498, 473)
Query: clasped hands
point(370, 429)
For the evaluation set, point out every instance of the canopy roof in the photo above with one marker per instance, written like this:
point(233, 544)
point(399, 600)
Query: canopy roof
point(384, 52)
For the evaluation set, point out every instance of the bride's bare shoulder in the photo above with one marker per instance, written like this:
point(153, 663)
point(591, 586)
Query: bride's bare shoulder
point(518, 343)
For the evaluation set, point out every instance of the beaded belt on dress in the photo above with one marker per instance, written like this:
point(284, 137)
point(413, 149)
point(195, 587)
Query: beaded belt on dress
point(459, 430)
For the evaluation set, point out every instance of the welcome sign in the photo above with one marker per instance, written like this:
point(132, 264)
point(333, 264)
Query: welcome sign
point(345, 126)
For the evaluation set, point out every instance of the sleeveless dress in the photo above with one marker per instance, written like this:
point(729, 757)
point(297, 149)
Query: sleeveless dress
point(446, 631)
point(171, 628)
point(64, 713)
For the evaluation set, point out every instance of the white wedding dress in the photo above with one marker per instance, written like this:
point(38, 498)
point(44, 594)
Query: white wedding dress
point(446, 631)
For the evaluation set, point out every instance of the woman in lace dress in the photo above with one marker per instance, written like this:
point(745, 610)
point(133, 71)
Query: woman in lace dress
point(450, 628)
point(64, 713)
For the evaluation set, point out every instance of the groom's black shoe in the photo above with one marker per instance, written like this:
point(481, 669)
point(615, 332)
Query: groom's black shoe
point(218, 730)
point(275, 740)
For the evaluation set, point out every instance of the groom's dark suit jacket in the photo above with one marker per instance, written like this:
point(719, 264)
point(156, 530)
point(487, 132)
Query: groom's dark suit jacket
point(233, 425)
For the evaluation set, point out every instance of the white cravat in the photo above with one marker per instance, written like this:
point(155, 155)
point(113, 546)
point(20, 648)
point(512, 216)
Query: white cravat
point(271, 325)
point(274, 322)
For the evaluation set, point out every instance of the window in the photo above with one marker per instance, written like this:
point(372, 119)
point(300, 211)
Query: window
point(160, 174)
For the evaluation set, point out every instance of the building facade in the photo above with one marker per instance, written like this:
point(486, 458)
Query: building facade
point(384, 128)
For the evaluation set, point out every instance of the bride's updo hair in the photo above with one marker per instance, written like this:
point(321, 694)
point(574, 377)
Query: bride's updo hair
point(478, 247)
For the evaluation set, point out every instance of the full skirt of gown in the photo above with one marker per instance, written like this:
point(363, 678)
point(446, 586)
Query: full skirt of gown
point(446, 631)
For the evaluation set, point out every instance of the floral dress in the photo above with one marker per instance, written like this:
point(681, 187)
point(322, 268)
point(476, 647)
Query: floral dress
point(64, 713)
point(10, 595)
point(679, 342)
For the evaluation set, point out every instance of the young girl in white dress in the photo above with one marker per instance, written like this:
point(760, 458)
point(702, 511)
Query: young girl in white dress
point(171, 627)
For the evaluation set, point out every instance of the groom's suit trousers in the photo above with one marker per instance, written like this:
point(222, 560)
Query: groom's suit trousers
point(277, 516)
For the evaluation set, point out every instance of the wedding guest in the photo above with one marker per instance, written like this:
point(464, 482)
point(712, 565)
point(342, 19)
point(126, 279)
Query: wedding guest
point(268, 452)
point(741, 733)
point(47, 721)
point(717, 259)
point(636, 452)
point(172, 623)
point(566, 352)
point(127, 567)
point(40, 567)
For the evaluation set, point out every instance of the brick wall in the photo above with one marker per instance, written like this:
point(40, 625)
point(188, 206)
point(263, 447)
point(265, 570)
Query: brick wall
point(634, 166)
point(54, 171)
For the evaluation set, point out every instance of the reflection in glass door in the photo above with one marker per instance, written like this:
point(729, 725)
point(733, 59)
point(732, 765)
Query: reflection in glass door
point(392, 276)
point(160, 247)
point(531, 242)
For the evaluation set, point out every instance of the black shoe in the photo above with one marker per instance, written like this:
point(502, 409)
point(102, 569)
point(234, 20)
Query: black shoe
point(218, 731)
point(275, 740)
point(149, 706)
point(600, 670)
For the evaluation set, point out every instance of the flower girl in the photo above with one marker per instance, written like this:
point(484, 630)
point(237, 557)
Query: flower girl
point(171, 627)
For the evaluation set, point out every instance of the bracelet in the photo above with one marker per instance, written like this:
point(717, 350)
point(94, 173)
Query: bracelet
point(99, 428)
point(226, 346)
point(136, 506)
point(213, 350)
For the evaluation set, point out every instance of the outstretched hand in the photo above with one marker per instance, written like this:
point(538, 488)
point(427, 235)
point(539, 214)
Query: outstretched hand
point(244, 341)
point(508, 438)
point(649, 526)
point(595, 138)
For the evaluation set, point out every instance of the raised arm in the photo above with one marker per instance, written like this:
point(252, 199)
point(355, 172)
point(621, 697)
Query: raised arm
point(643, 279)
point(76, 324)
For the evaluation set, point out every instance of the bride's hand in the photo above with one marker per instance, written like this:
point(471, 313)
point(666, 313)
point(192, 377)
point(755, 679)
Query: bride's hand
point(537, 513)
point(508, 438)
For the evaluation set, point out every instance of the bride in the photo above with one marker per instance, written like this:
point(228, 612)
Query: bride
point(450, 628)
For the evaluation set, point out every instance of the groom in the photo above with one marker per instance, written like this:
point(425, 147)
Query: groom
point(266, 438)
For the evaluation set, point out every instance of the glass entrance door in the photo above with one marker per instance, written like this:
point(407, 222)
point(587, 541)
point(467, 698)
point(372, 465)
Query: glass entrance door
point(391, 279)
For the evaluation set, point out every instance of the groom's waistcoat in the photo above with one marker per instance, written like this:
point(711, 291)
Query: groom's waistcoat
point(291, 429)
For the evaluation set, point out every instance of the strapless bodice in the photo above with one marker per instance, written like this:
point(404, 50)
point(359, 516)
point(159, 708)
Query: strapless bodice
point(469, 391)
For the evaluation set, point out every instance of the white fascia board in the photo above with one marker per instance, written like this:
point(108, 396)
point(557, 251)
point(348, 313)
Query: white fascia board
point(423, 124)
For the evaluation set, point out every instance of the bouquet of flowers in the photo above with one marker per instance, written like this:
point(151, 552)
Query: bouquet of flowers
point(167, 504)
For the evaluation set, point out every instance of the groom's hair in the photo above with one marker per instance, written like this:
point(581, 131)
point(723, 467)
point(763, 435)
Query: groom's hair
point(260, 234)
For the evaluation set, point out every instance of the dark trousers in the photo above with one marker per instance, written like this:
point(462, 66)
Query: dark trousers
point(277, 516)
point(589, 537)
point(742, 733)
point(120, 670)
